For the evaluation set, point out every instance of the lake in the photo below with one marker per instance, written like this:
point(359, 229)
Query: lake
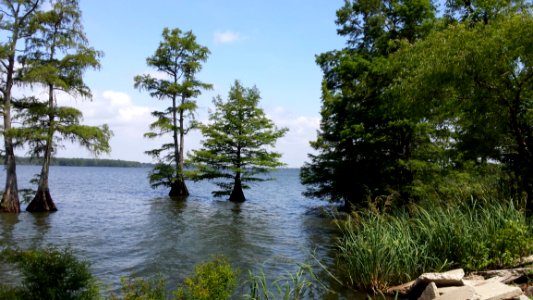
point(113, 219)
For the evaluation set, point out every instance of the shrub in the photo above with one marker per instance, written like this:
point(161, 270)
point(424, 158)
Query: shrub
point(51, 274)
point(11, 293)
point(211, 280)
point(142, 289)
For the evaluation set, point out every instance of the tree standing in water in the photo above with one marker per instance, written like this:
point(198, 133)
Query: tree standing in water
point(14, 25)
point(56, 58)
point(236, 143)
point(178, 58)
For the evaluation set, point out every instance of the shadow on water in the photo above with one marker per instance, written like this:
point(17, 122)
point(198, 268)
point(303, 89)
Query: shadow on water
point(42, 226)
point(7, 226)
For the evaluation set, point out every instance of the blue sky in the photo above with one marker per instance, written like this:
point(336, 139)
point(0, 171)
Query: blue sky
point(270, 44)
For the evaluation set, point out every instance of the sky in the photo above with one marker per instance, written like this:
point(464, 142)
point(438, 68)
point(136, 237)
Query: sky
point(270, 44)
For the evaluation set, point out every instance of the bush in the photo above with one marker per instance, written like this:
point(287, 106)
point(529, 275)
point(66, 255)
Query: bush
point(142, 289)
point(11, 293)
point(376, 250)
point(51, 274)
point(211, 280)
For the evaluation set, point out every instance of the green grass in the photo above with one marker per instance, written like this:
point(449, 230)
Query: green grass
point(380, 250)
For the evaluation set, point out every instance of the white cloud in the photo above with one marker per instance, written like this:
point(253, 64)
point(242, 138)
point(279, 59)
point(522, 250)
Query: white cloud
point(127, 120)
point(226, 37)
point(295, 144)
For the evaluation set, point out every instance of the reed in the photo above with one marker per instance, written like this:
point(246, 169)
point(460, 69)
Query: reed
point(379, 250)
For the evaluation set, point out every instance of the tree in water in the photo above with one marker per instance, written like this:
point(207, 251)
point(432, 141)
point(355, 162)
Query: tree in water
point(178, 58)
point(237, 142)
point(15, 26)
point(56, 59)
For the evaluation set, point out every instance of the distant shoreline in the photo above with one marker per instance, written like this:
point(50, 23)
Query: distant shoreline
point(84, 162)
point(95, 162)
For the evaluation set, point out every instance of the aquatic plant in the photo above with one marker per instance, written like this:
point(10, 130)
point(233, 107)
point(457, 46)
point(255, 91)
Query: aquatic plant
point(378, 250)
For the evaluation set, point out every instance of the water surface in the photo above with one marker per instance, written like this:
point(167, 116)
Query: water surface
point(113, 219)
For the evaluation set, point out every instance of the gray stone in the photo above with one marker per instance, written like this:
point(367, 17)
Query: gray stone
point(473, 277)
point(430, 293)
point(472, 282)
point(497, 291)
point(450, 278)
point(521, 297)
point(458, 293)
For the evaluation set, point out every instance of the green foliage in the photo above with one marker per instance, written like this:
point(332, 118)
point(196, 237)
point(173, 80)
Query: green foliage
point(478, 81)
point(237, 141)
point(366, 135)
point(51, 274)
point(418, 107)
point(57, 53)
point(142, 289)
point(211, 280)
point(302, 284)
point(56, 56)
point(378, 250)
point(161, 175)
point(35, 131)
point(15, 26)
point(178, 58)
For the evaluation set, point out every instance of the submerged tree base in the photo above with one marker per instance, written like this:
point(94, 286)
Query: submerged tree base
point(237, 195)
point(42, 202)
point(178, 189)
point(10, 204)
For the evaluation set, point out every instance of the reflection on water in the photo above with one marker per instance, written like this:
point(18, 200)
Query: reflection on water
point(111, 217)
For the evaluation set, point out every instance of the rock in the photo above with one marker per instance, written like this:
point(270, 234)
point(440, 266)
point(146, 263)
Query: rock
point(430, 293)
point(473, 282)
point(401, 289)
point(497, 291)
point(458, 293)
point(529, 291)
point(450, 278)
point(521, 297)
point(473, 277)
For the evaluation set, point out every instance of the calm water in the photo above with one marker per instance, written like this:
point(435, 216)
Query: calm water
point(113, 219)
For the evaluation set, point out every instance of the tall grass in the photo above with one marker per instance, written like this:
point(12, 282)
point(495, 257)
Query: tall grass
point(378, 250)
point(302, 284)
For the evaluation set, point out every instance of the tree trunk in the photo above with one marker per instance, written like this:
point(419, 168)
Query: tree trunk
point(237, 195)
point(181, 160)
point(10, 201)
point(178, 189)
point(42, 202)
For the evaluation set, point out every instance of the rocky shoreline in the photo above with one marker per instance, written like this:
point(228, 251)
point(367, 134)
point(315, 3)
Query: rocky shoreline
point(455, 285)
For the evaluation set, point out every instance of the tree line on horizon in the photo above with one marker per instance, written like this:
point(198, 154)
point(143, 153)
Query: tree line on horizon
point(82, 162)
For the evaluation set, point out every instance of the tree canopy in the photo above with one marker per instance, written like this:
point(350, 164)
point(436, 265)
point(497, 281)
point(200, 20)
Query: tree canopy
point(238, 143)
point(178, 58)
point(55, 57)
point(418, 107)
